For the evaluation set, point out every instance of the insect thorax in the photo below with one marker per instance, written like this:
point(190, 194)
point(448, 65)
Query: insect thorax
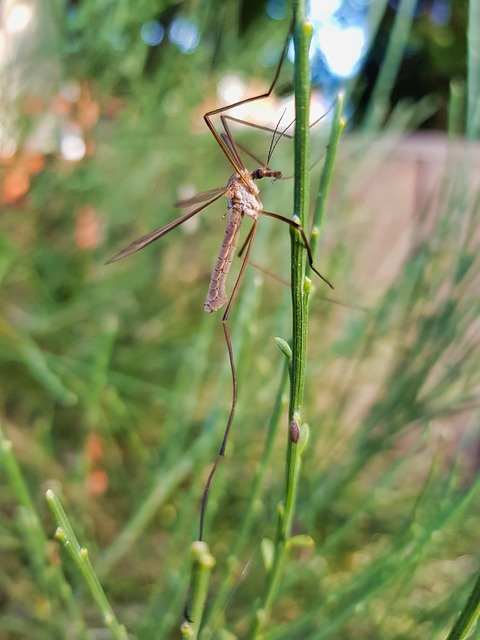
point(242, 196)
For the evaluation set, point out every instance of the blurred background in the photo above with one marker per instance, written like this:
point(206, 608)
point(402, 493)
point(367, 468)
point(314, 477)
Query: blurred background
point(114, 383)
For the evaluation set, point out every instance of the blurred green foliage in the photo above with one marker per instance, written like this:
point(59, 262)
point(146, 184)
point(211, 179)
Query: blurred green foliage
point(114, 385)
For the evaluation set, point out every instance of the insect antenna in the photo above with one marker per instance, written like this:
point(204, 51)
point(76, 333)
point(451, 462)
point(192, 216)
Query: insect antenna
point(273, 142)
point(282, 134)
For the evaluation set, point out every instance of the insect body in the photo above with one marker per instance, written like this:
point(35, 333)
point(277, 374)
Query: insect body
point(243, 200)
point(242, 194)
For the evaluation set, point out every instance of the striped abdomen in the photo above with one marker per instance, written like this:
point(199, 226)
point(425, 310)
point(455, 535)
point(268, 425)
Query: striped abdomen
point(217, 296)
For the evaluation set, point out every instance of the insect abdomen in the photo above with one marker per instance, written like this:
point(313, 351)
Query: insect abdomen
point(217, 296)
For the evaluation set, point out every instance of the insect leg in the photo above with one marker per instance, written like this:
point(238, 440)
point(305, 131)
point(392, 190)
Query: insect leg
point(233, 370)
point(299, 228)
point(208, 116)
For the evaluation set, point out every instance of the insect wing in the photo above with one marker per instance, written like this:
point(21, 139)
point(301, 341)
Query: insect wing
point(144, 241)
point(200, 197)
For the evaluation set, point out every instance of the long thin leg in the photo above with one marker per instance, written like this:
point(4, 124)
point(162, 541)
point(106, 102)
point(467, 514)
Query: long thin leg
point(228, 138)
point(245, 244)
point(244, 149)
point(248, 245)
point(269, 273)
point(299, 228)
point(231, 357)
point(232, 145)
point(208, 121)
point(278, 133)
point(273, 142)
point(262, 127)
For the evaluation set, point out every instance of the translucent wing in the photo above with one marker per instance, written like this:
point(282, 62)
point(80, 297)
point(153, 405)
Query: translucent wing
point(144, 241)
point(200, 197)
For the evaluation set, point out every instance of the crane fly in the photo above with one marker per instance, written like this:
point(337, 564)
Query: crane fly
point(243, 200)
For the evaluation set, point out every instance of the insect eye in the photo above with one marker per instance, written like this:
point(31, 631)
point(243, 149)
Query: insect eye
point(259, 173)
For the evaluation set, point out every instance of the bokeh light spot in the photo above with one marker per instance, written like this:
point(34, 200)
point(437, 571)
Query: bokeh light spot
point(184, 33)
point(231, 88)
point(342, 48)
point(152, 32)
point(276, 9)
point(324, 10)
point(18, 17)
point(72, 144)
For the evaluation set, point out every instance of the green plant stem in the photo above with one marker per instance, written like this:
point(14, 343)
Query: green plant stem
point(79, 555)
point(302, 36)
point(300, 294)
point(300, 284)
point(202, 565)
point(456, 108)
point(390, 65)
point(301, 287)
point(50, 578)
point(465, 624)
point(338, 125)
point(473, 70)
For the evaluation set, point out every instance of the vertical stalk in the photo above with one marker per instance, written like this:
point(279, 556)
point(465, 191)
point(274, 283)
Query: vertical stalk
point(300, 284)
point(392, 59)
point(473, 70)
point(51, 580)
point(66, 535)
point(297, 357)
point(202, 565)
point(302, 34)
point(464, 626)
